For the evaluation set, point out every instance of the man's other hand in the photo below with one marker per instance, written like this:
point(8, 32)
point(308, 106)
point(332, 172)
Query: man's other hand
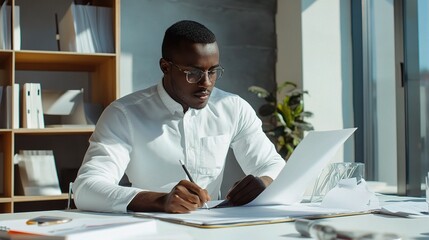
point(247, 189)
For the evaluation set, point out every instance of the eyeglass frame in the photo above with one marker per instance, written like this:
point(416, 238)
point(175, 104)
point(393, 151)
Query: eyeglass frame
point(187, 72)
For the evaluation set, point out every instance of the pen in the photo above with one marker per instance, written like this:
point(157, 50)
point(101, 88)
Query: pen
point(190, 178)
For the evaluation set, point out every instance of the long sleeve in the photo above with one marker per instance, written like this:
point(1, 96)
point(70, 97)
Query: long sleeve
point(145, 134)
point(96, 187)
point(255, 153)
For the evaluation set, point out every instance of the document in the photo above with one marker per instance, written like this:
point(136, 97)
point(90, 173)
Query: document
point(311, 155)
point(280, 201)
point(248, 215)
point(409, 209)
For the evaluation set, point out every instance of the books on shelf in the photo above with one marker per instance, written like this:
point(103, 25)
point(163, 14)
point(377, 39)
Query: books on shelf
point(16, 28)
point(87, 29)
point(5, 24)
point(15, 106)
point(6, 27)
point(32, 108)
point(37, 172)
point(9, 101)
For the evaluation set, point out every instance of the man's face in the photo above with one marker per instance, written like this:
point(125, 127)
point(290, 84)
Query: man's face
point(191, 57)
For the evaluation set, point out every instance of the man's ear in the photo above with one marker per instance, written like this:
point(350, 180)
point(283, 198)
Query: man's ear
point(164, 65)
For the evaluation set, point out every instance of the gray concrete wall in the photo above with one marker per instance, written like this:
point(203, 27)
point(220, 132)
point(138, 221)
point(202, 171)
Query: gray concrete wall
point(246, 35)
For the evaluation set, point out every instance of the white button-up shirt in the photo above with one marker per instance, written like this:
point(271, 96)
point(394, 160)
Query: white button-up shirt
point(145, 134)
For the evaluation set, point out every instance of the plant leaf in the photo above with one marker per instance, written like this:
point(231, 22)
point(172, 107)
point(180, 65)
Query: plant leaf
point(259, 91)
point(306, 114)
point(304, 126)
point(282, 86)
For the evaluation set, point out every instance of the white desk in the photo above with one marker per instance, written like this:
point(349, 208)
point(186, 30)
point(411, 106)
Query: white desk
point(408, 228)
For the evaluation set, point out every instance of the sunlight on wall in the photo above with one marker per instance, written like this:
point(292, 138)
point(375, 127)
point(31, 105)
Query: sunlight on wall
point(327, 74)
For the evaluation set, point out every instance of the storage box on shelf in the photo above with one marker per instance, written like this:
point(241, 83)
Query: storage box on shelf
point(39, 61)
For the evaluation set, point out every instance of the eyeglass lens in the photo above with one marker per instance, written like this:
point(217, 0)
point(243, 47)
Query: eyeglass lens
point(195, 76)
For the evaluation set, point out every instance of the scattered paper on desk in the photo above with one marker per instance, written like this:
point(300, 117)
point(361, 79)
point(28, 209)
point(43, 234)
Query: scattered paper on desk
point(406, 209)
point(351, 195)
point(246, 215)
point(87, 228)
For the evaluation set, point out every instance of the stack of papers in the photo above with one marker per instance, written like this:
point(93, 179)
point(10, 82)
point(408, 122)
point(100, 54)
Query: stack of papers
point(248, 215)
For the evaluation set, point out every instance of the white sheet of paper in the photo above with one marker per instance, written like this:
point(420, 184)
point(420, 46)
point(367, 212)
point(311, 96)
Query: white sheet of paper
point(88, 228)
point(311, 155)
point(407, 209)
point(349, 194)
point(245, 214)
point(278, 201)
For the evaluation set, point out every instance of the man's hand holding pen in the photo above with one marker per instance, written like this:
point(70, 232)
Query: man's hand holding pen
point(186, 196)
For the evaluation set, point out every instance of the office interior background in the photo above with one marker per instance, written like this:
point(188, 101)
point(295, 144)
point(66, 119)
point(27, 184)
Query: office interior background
point(365, 64)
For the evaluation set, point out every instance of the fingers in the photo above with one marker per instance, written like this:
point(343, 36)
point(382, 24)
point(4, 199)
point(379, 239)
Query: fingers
point(185, 197)
point(246, 190)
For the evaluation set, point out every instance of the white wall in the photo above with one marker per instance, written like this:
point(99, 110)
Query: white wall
point(318, 55)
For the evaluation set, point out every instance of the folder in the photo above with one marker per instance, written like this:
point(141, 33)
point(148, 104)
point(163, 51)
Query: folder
point(5, 22)
point(15, 107)
point(36, 94)
point(27, 112)
point(32, 108)
point(38, 173)
point(9, 106)
point(87, 29)
point(16, 29)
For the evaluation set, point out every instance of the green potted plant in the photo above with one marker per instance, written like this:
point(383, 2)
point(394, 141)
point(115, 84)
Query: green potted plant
point(283, 119)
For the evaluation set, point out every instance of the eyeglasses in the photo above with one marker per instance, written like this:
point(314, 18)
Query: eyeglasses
point(195, 75)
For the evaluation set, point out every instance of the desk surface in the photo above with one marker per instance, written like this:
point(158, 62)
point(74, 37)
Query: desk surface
point(407, 228)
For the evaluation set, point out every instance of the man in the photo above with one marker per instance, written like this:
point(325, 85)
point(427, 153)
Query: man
point(186, 118)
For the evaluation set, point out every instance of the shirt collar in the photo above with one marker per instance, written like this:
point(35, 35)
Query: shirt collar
point(169, 103)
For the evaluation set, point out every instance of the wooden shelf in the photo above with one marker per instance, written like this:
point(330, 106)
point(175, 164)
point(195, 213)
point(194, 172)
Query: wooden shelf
point(96, 73)
point(5, 199)
point(60, 61)
point(54, 131)
point(63, 196)
point(2, 130)
point(5, 54)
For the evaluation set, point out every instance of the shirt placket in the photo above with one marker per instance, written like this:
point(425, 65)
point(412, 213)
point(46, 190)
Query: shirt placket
point(191, 146)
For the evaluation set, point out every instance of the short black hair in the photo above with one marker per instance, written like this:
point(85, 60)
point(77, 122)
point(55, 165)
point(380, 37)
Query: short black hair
point(185, 31)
